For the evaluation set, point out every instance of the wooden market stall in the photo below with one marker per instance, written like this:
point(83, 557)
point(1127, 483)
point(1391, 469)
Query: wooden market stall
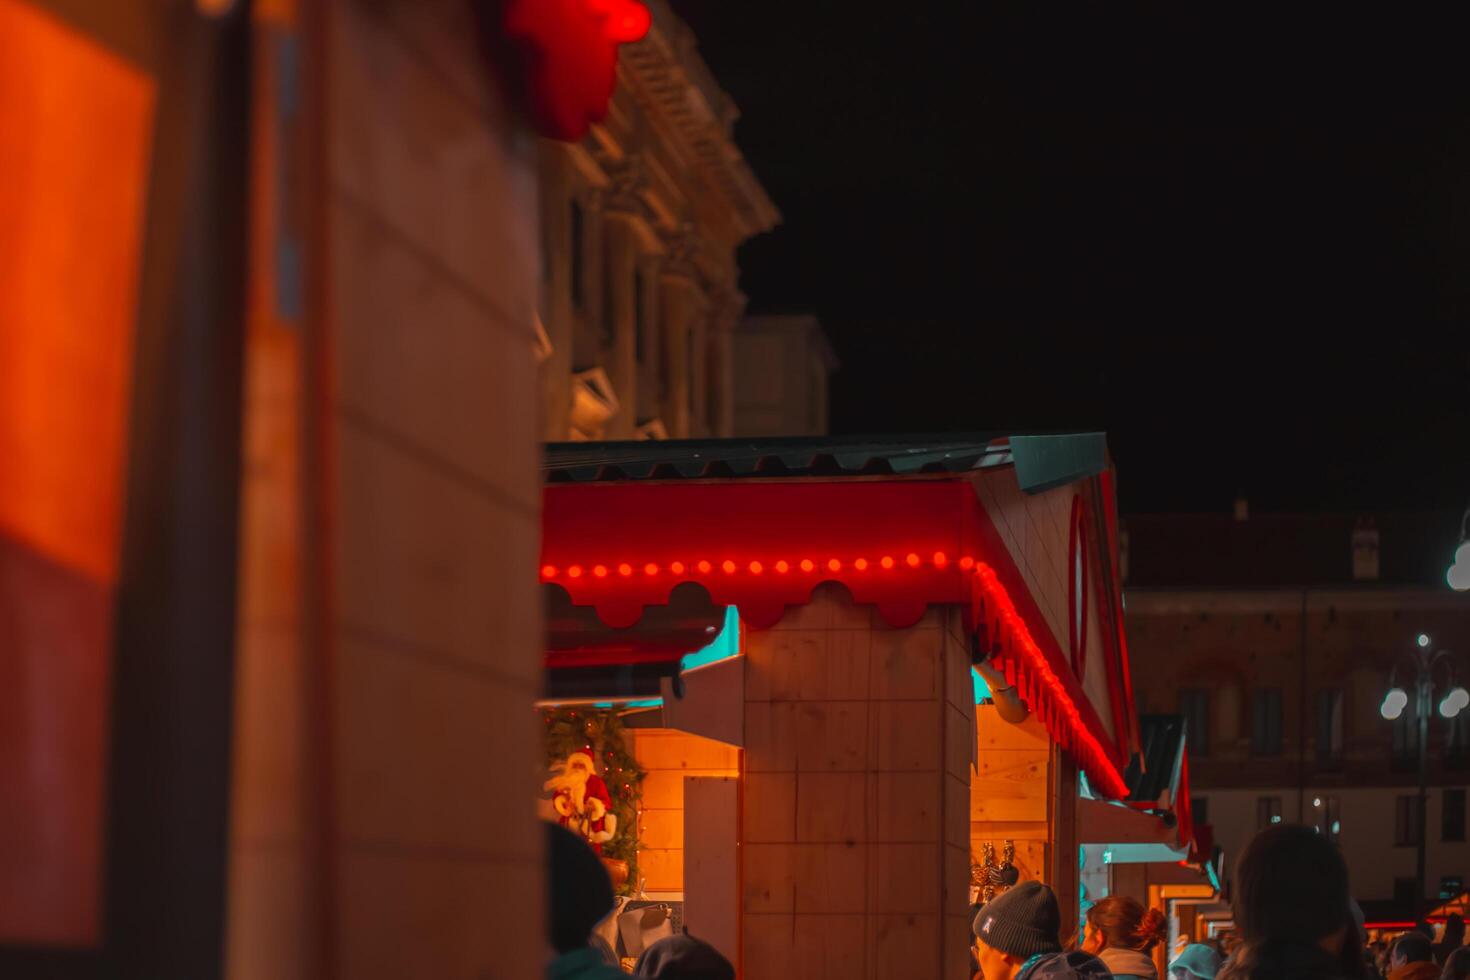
point(867, 580)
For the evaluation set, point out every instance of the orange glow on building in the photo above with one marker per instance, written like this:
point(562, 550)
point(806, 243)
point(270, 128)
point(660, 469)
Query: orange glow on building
point(74, 164)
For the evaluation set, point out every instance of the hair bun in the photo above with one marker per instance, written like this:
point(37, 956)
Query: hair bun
point(1153, 928)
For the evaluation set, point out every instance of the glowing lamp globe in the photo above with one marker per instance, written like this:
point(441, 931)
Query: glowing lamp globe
point(1394, 703)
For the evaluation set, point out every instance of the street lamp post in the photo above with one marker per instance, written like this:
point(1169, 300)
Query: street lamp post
point(1458, 575)
point(1455, 700)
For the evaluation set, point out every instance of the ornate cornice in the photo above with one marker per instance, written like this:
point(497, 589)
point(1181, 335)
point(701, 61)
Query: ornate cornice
point(627, 187)
point(673, 83)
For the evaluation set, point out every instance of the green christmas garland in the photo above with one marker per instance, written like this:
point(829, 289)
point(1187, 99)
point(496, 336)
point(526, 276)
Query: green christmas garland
point(600, 733)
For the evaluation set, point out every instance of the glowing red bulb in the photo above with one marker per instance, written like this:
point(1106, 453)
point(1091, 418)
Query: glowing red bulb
point(967, 562)
point(704, 567)
point(548, 571)
point(861, 564)
point(650, 569)
point(913, 560)
point(756, 568)
point(940, 559)
point(600, 571)
point(782, 567)
point(728, 566)
point(887, 561)
point(833, 565)
point(677, 568)
point(625, 569)
point(807, 565)
point(574, 572)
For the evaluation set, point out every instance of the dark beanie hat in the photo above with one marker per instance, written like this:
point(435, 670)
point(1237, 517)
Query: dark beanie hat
point(682, 957)
point(578, 891)
point(1024, 921)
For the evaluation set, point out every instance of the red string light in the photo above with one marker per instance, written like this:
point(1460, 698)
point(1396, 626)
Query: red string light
point(967, 563)
point(834, 565)
point(575, 571)
point(940, 559)
point(704, 567)
point(625, 569)
point(677, 568)
point(807, 565)
point(861, 564)
point(756, 568)
point(887, 561)
point(912, 560)
point(548, 571)
point(600, 571)
point(650, 569)
point(782, 567)
point(728, 566)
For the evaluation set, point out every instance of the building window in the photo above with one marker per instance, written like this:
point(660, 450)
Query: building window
point(1451, 887)
point(579, 256)
point(1329, 725)
point(1457, 743)
point(1403, 892)
point(1199, 809)
point(609, 318)
point(640, 342)
point(1268, 811)
point(1194, 705)
point(1266, 721)
point(1452, 819)
point(1406, 821)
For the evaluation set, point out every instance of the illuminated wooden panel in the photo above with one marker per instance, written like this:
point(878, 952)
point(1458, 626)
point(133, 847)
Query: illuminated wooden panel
point(73, 178)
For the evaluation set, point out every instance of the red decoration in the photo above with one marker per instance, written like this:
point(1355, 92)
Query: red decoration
point(765, 524)
point(572, 57)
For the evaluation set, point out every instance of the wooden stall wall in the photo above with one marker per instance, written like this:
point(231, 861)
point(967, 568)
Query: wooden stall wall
point(670, 756)
point(858, 748)
point(1013, 794)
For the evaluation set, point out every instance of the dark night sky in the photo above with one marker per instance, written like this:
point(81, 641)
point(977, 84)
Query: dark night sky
point(1248, 260)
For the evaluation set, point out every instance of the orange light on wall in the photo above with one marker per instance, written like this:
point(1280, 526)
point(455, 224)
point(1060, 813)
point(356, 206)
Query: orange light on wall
point(74, 156)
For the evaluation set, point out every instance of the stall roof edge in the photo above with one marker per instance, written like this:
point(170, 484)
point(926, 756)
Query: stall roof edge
point(824, 456)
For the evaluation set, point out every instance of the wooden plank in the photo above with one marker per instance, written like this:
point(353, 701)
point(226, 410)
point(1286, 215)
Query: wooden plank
point(711, 855)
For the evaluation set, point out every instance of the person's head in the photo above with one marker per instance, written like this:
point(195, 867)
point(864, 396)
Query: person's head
point(1197, 962)
point(1291, 886)
point(578, 890)
point(682, 957)
point(1457, 965)
point(1018, 925)
point(1121, 922)
point(1411, 947)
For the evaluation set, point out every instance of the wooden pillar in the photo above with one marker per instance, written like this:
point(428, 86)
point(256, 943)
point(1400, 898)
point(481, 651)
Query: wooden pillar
point(857, 766)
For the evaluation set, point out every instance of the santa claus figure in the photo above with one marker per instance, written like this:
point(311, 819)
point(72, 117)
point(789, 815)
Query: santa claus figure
point(581, 800)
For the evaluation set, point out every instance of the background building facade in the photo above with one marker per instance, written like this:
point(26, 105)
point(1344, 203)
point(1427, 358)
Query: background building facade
point(1276, 638)
point(641, 219)
point(782, 367)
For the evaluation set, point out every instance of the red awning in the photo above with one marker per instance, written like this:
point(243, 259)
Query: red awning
point(899, 545)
